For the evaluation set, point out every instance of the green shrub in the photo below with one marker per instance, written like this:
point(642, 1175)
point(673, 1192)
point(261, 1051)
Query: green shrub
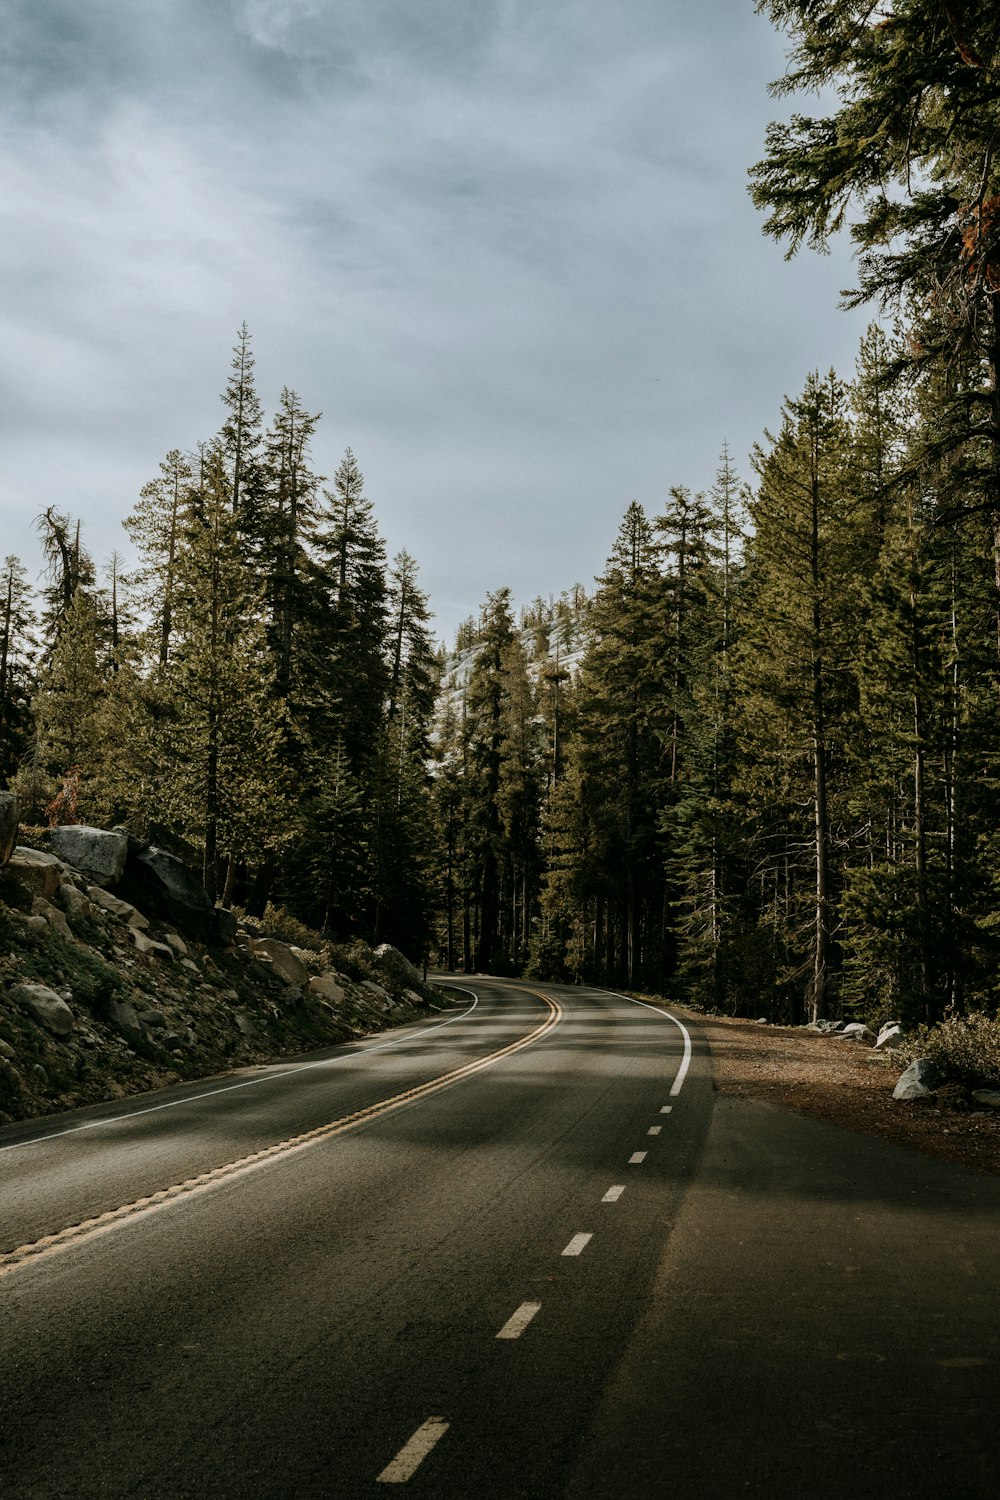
point(280, 924)
point(965, 1048)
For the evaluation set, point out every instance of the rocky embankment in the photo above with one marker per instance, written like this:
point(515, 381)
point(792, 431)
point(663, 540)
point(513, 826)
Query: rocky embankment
point(118, 974)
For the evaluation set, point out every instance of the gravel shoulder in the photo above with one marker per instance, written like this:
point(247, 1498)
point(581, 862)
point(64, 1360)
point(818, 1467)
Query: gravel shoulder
point(844, 1082)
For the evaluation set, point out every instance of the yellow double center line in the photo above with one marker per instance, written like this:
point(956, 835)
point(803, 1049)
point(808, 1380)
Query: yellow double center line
point(91, 1229)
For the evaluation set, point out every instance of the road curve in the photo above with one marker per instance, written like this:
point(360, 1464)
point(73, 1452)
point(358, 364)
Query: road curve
point(515, 1251)
point(271, 1284)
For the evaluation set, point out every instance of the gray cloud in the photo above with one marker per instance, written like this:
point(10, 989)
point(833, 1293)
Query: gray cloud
point(506, 248)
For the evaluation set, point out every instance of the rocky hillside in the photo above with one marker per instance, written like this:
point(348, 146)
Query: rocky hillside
point(117, 974)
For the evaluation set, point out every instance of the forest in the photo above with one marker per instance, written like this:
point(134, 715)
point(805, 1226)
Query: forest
point(754, 767)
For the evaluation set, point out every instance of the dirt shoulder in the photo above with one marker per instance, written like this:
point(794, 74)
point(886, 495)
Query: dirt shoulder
point(844, 1082)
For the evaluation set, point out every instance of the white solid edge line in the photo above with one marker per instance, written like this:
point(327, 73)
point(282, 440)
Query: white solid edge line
point(578, 1244)
point(636, 1158)
point(249, 1083)
point(678, 1082)
point(518, 1321)
point(412, 1454)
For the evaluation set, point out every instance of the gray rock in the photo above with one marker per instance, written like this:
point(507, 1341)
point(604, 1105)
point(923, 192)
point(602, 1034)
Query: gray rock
point(152, 1018)
point(327, 988)
point(44, 1006)
point(39, 1072)
point(244, 1025)
point(37, 925)
point(223, 927)
point(378, 993)
point(9, 813)
point(53, 916)
point(396, 966)
point(918, 1080)
point(121, 1014)
point(73, 902)
point(412, 997)
point(890, 1037)
point(857, 1031)
point(149, 947)
point(823, 1028)
point(6, 1050)
point(283, 961)
point(176, 942)
point(95, 852)
point(161, 885)
point(111, 903)
point(42, 872)
point(989, 1097)
point(190, 965)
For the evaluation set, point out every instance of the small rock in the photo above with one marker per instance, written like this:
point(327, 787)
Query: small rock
point(187, 963)
point(114, 904)
point(152, 1018)
point(6, 1050)
point(73, 902)
point(857, 1031)
point(326, 987)
point(762, 1021)
point(918, 1080)
point(121, 1014)
point(53, 916)
point(284, 962)
point(244, 1024)
point(989, 1097)
point(176, 942)
point(39, 870)
point(44, 1006)
point(148, 946)
point(889, 1037)
point(37, 925)
point(39, 1072)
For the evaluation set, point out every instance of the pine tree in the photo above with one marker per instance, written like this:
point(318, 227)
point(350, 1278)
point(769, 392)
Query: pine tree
point(17, 652)
point(794, 674)
point(155, 527)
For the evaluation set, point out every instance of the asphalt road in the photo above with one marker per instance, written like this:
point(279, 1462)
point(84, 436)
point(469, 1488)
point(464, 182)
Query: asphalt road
point(516, 1250)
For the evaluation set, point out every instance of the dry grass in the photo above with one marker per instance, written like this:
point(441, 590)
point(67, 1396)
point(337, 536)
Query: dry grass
point(848, 1084)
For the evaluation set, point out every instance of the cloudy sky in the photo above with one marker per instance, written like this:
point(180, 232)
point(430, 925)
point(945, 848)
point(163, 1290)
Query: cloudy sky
point(505, 246)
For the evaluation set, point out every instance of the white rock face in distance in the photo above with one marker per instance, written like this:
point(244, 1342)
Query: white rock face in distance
point(44, 1006)
point(96, 852)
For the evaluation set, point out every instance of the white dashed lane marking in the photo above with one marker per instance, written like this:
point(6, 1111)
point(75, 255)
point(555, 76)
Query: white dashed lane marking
point(654, 1129)
point(412, 1454)
point(518, 1322)
point(636, 1158)
point(667, 1109)
point(614, 1193)
point(578, 1244)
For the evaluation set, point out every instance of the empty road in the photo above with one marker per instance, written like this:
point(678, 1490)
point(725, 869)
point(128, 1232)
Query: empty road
point(517, 1249)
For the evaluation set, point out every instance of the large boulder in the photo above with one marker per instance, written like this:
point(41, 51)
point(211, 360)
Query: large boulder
point(40, 871)
point(327, 987)
point(395, 966)
point(283, 961)
point(919, 1080)
point(161, 885)
point(8, 825)
point(890, 1037)
point(95, 852)
point(44, 1006)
